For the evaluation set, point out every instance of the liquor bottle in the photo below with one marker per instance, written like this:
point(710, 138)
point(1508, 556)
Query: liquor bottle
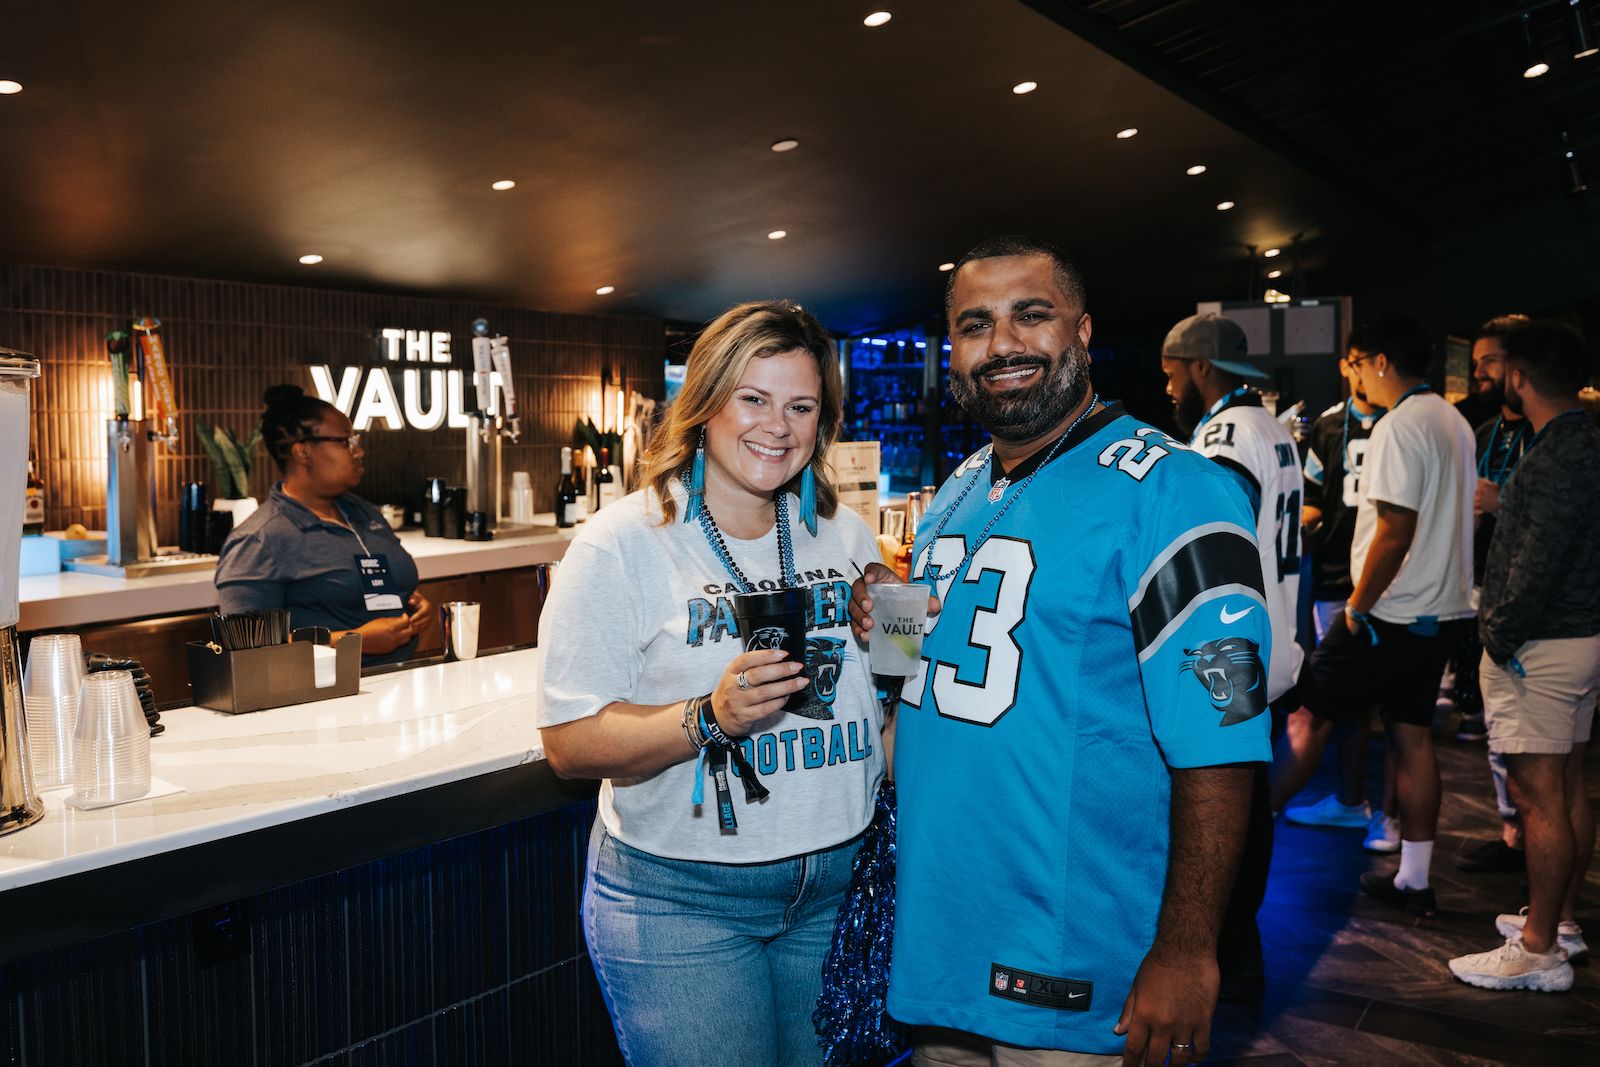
point(902, 557)
point(608, 491)
point(33, 504)
point(566, 492)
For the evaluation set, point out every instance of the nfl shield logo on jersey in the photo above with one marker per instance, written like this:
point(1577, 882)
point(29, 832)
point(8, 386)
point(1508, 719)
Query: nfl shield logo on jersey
point(1001, 980)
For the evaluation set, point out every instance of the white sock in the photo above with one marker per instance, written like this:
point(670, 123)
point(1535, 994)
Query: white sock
point(1415, 859)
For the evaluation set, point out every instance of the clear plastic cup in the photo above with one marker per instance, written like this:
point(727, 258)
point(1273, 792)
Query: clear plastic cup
point(50, 688)
point(899, 616)
point(112, 741)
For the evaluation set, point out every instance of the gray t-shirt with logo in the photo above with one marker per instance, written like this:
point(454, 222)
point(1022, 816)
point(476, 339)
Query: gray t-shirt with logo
point(642, 613)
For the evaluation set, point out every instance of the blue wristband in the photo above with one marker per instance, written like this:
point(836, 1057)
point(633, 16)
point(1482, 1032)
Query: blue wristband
point(1361, 617)
point(1515, 666)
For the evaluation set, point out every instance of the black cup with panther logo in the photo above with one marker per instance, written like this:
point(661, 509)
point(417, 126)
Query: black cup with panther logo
point(775, 620)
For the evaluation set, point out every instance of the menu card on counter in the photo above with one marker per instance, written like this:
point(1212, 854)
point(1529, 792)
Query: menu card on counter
point(855, 476)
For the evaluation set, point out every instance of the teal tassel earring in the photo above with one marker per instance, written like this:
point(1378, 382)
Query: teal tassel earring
point(808, 500)
point(697, 481)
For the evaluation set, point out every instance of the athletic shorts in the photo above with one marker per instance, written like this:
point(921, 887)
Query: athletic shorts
point(1552, 708)
point(1399, 675)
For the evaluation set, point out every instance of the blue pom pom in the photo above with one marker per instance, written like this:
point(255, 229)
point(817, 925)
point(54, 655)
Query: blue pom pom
point(852, 1024)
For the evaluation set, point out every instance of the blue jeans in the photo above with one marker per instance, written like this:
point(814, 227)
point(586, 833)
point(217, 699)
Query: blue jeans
point(704, 963)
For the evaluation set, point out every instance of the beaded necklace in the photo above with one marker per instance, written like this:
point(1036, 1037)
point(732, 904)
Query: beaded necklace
point(713, 535)
point(931, 571)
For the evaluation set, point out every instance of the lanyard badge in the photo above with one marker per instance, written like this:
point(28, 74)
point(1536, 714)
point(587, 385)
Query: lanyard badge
point(377, 586)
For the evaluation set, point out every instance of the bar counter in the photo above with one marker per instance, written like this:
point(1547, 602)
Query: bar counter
point(395, 871)
point(70, 599)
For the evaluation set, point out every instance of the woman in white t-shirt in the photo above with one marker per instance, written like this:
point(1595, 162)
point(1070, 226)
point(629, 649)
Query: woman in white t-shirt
point(708, 916)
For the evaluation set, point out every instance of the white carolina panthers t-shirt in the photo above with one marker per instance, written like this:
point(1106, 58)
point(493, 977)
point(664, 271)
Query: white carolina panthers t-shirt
point(1422, 456)
point(642, 613)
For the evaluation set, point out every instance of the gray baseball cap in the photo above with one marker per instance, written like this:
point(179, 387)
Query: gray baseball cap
point(1219, 341)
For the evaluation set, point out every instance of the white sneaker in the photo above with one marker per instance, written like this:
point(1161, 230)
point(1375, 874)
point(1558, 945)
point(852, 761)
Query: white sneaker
point(1569, 935)
point(1329, 812)
point(1513, 967)
point(1383, 834)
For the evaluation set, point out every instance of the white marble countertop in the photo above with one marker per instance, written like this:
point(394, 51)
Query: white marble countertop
point(71, 598)
point(403, 732)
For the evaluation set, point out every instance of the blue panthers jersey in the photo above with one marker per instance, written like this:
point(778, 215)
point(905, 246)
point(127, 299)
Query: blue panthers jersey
point(1110, 628)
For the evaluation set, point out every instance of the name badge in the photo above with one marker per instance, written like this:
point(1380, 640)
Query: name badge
point(377, 588)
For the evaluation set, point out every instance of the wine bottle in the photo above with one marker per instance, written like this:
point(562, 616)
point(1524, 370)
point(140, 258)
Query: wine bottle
point(566, 492)
point(607, 490)
point(33, 503)
point(902, 557)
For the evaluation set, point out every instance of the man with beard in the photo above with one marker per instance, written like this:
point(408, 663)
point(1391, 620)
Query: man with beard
point(1412, 564)
point(1502, 438)
point(1208, 376)
point(1540, 626)
point(1075, 752)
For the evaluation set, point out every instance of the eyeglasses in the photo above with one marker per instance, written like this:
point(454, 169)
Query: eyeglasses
point(1356, 362)
point(350, 441)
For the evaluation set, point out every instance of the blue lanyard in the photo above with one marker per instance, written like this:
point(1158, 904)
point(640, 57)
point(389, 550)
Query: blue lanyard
point(1507, 464)
point(1552, 422)
point(1222, 402)
point(931, 572)
point(1414, 390)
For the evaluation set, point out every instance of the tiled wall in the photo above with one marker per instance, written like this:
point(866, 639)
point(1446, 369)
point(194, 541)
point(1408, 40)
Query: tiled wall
point(466, 952)
point(228, 341)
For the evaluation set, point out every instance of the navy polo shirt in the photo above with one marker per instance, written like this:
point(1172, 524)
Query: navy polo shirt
point(283, 556)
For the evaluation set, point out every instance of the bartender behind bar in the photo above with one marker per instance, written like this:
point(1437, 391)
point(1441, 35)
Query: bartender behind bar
point(315, 547)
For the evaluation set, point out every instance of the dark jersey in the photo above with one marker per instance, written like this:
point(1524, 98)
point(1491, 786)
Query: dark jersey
point(1501, 443)
point(1337, 449)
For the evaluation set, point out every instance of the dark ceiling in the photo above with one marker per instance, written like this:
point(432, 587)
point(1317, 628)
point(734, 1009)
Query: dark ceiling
point(226, 139)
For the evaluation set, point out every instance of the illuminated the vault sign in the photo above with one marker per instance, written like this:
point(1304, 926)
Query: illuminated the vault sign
point(368, 394)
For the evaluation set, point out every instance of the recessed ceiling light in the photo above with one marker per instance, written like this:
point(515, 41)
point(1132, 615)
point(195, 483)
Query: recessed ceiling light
point(9, 87)
point(1130, 132)
point(1536, 70)
point(1274, 273)
point(788, 144)
point(947, 266)
point(1198, 168)
point(777, 235)
point(311, 259)
point(1226, 205)
point(877, 18)
point(1273, 253)
point(502, 185)
point(1024, 88)
point(605, 290)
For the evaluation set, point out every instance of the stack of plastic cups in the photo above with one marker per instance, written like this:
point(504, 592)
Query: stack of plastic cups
point(50, 696)
point(112, 742)
point(521, 498)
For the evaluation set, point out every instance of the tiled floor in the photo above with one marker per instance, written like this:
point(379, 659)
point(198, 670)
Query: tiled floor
point(1350, 981)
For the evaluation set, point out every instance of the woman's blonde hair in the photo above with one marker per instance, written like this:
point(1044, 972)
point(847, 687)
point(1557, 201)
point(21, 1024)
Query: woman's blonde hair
point(716, 363)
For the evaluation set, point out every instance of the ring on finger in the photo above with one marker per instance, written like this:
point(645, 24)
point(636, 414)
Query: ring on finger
point(744, 683)
point(1182, 1045)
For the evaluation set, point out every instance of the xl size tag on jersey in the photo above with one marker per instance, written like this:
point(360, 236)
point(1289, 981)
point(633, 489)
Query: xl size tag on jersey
point(377, 588)
point(1040, 990)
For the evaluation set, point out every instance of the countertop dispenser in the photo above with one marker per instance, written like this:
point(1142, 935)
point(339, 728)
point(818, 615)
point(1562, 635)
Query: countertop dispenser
point(19, 803)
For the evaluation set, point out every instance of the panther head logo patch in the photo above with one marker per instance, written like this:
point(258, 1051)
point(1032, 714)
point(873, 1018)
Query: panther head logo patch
point(824, 662)
point(767, 637)
point(1232, 673)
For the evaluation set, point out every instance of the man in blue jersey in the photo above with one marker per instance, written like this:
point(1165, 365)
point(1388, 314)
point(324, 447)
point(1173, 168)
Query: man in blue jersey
point(1075, 754)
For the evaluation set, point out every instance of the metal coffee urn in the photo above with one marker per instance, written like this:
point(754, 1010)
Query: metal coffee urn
point(19, 804)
